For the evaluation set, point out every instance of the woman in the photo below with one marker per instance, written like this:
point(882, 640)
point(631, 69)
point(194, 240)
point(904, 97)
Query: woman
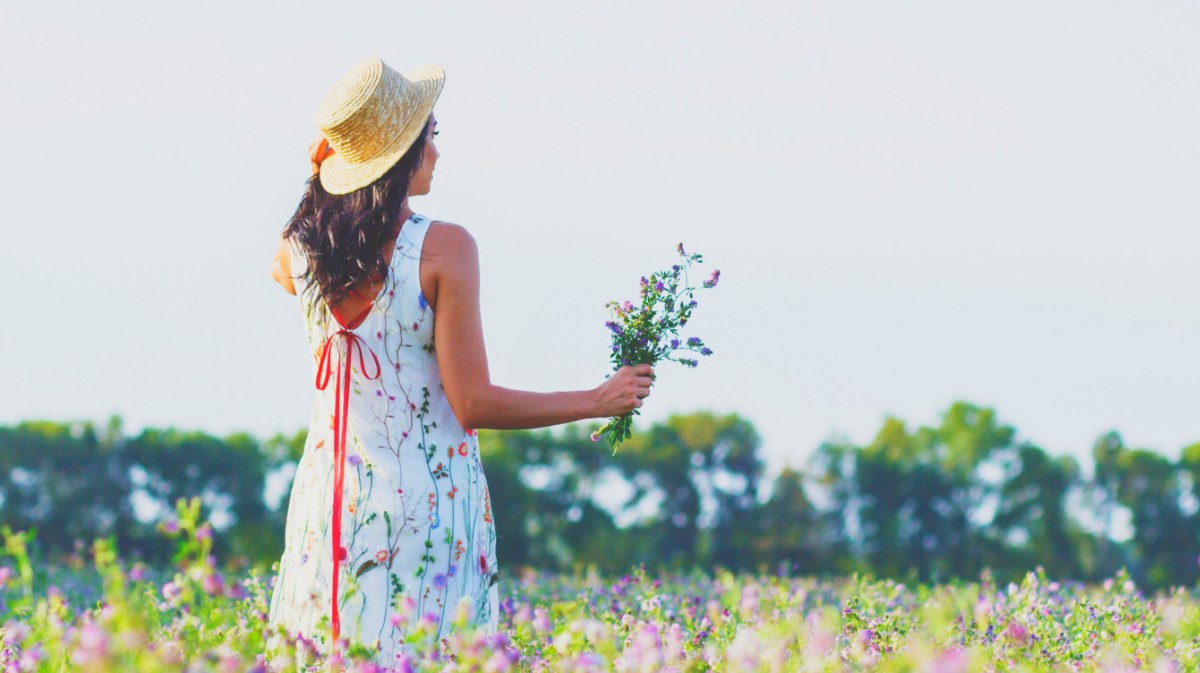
point(390, 483)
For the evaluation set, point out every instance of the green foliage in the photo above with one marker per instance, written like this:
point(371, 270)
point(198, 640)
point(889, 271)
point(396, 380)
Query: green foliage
point(198, 621)
point(915, 504)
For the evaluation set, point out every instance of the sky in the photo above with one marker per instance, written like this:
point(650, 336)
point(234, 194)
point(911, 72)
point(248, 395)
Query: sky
point(910, 204)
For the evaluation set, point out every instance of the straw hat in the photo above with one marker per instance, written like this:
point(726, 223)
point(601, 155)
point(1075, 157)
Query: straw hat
point(371, 117)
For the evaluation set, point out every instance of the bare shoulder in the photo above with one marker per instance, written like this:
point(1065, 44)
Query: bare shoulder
point(450, 244)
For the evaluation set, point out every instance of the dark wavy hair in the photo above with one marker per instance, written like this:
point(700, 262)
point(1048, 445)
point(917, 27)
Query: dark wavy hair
point(343, 235)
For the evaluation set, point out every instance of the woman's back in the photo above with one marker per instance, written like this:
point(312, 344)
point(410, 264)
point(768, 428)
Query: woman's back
point(416, 519)
point(390, 520)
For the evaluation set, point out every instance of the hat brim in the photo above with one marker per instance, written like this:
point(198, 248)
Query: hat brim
point(339, 176)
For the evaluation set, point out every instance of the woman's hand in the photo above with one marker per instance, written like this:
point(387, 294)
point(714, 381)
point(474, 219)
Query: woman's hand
point(624, 391)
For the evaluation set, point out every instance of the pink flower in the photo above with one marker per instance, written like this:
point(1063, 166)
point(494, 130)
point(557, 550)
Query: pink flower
point(1018, 633)
point(214, 584)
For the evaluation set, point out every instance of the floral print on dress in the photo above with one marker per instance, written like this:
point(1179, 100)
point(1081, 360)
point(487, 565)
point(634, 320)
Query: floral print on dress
point(417, 527)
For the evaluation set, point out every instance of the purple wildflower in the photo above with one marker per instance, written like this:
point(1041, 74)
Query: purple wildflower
point(712, 280)
point(674, 343)
point(659, 287)
point(214, 584)
point(680, 249)
point(693, 341)
point(354, 459)
point(439, 581)
point(706, 351)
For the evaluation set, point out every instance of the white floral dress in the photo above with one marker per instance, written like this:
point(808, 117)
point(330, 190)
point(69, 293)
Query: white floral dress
point(416, 526)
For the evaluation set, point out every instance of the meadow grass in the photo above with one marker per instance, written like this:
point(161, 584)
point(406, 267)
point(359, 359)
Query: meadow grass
point(94, 612)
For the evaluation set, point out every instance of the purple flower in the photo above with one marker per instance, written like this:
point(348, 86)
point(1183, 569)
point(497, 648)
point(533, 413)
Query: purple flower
point(659, 287)
point(680, 249)
point(204, 532)
point(693, 341)
point(214, 584)
point(674, 343)
point(688, 362)
point(354, 459)
point(439, 581)
point(706, 351)
point(612, 325)
point(712, 280)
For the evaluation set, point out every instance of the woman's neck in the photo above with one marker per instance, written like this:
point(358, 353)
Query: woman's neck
point(405, 211)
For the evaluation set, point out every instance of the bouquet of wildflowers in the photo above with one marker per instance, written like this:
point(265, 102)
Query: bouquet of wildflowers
point(649, 333)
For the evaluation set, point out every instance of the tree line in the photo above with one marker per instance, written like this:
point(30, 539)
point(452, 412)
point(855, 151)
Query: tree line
point(926, 503)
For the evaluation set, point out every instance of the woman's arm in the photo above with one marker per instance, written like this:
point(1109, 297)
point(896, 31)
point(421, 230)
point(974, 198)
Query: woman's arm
point(281, 266)
point(462, 358)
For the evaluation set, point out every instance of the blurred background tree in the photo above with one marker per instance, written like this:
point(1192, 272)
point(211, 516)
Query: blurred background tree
point(929, 503)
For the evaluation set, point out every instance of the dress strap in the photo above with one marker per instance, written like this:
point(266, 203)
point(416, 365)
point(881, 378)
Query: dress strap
point(358, 294)
point(341, 421)
point(358, 318)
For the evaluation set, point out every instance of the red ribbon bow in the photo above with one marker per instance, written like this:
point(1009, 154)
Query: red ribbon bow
point(340, 423)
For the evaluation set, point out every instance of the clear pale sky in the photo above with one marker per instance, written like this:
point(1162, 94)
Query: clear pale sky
point(910, 203)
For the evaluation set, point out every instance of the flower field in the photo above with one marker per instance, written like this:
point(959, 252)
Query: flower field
point(94, 612)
